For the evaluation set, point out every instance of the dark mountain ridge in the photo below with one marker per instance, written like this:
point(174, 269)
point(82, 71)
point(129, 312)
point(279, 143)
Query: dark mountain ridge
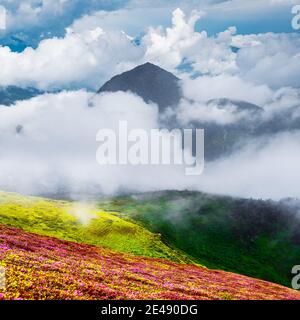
point(150, 82)
point(11, 94)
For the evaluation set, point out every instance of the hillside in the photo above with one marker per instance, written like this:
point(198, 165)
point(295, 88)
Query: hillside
point(260, 239)
point(39, 267)
point(83, 223)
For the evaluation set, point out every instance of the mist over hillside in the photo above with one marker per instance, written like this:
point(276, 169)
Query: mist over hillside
point(245, 236)
point(57, 132)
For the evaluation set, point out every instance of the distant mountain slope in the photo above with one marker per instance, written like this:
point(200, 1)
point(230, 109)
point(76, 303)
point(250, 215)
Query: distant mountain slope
point(157, 85)
point(149, 82)
point(39, 267)
point(260, 239)
point(9, 95)
point(221, 138)
point(240, 105)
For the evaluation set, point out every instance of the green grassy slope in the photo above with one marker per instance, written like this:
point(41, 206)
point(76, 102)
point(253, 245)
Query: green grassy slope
point(255, 238)
point(82, 223)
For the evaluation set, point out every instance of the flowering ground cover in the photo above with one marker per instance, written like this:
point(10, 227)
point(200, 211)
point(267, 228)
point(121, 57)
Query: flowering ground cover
point(40, 267)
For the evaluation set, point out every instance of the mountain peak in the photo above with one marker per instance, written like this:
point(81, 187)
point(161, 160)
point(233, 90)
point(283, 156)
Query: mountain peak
point(148, 66)
point(150, 82)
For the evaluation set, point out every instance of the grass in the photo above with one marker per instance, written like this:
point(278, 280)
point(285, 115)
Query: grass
point(82, 223)
point(260, 239)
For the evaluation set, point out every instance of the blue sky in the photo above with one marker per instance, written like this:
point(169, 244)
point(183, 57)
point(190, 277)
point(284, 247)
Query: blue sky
point(264, 20)
point(34, 20)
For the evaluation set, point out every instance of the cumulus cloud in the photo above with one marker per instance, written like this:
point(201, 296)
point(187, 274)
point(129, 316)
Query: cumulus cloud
point(36, 19)
point(170, 47)
point(87, 55)
point(274, 60)
point(87, 58)
point(33, 20)
point(264, 59)
point(78, 60)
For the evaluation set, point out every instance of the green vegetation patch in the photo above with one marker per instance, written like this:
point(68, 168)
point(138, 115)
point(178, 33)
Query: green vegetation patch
point(256, 238)
point(83, 223)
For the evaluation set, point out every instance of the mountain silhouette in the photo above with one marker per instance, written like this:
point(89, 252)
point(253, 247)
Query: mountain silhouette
point(150, 82)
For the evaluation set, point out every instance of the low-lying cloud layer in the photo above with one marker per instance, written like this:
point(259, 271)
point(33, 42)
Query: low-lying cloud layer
point(267, 168)
point(48, 146)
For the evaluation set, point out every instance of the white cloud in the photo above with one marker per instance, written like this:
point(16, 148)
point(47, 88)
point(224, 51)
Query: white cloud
point(267, 169)
point(78, 59)
point(284, 102)
point(48, 145)
point(35, 16)
point(87, 57)
point(132, 21)
point(209, 113)
point(170, 47)
point(226, 86)
point(274, 61)
point(55, 149)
